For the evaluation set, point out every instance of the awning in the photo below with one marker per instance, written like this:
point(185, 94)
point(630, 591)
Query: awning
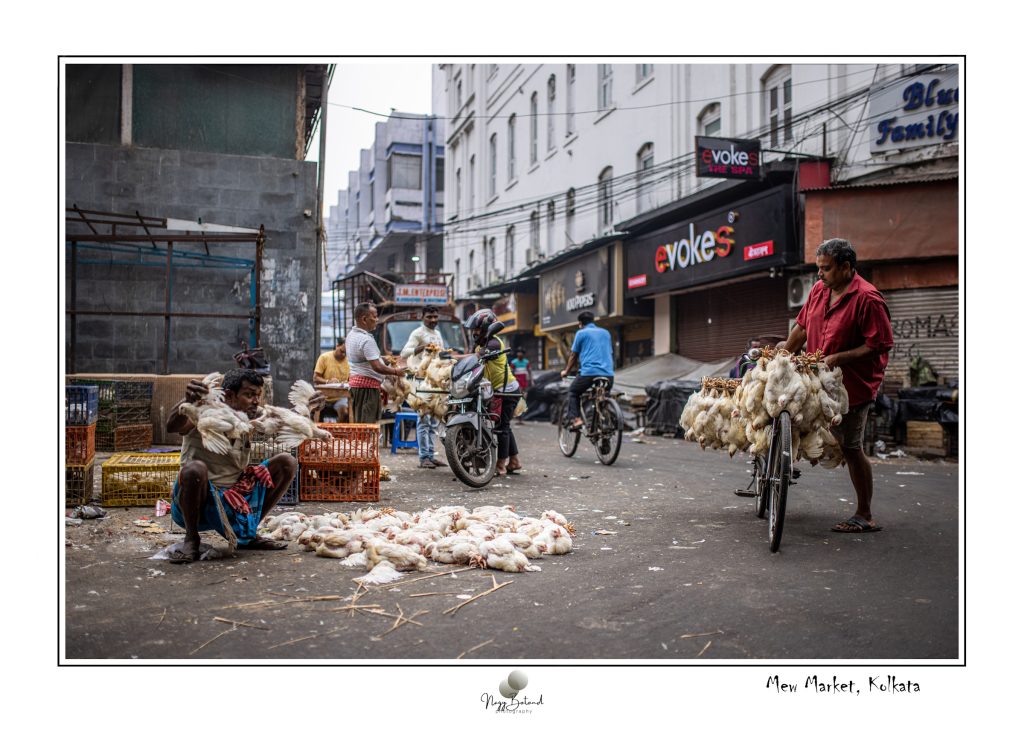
point(633, 380)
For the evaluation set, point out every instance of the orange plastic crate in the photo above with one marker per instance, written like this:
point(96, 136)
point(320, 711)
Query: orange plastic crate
point(79, 444)
point(324, 483)
point(354, 445)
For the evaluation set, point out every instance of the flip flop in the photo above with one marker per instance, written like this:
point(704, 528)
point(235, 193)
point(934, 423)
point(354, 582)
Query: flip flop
point(179, 556)
point(262, 544)
point(855, 524)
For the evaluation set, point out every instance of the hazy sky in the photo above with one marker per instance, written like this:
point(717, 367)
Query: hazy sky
point(374, 85)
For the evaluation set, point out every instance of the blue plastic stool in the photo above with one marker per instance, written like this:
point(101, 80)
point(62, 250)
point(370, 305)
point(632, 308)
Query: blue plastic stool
point(396, 436)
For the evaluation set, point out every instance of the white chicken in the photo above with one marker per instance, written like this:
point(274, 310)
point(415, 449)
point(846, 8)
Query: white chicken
point(403, 558)
point(500, 554)
point(455, 549)
point(291, 427)
point(217, 423)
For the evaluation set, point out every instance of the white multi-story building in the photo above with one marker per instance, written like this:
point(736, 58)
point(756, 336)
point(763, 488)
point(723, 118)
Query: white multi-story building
point(549, 161)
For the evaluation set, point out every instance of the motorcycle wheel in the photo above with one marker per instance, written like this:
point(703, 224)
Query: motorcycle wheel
point(473, 468)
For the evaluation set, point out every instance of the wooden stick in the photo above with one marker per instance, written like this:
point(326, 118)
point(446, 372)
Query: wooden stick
point(476, 647)
point(238, 622)
point(457, 607)
point(701, 634)
point(429, 576)
point(354, 607)
point(264, 602)
point(705, 648)
point(307, 637)
point(162, 617)
point(231, 629)
point(435, 593)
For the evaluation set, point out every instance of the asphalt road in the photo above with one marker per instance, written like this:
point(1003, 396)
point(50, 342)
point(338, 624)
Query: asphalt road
point(684, 577)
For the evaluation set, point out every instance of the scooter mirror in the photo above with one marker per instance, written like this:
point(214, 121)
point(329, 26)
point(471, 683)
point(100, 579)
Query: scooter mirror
point(495, 328)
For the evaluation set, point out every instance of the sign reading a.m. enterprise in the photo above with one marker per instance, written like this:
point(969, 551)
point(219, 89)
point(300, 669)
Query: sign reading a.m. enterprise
point(748, 236)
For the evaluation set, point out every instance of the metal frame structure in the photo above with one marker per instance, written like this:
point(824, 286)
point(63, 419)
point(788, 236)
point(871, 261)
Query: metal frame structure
point(161, 242)
point(348, 291)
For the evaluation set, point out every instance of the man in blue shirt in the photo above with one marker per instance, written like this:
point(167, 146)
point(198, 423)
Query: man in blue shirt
point(592, 349)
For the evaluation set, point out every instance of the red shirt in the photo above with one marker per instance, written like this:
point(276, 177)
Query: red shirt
point(859, 317)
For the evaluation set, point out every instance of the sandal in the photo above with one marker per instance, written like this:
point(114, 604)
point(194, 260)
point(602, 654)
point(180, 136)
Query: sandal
point(855, 524)
point(180, 556)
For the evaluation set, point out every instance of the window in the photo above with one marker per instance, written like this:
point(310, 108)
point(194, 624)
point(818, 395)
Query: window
point(644, 71)
point(570, 216)
point(709, 122)
point(512, 148)
point(550, 235)
point(490, 265)
point(604, 199)
point(458, 94)
point(492, 185)
point(778, 104)
point(604, 86)
point(534, 234)
point(439, 173)
point(492, 69)
point(472, 184)
point(644, 173)
point(458, 189)
point(510, 240)
point(533, 128)
point(551, 112)
point(570, 102)
point(469, 274)
point(458, 271)
point(404, 171)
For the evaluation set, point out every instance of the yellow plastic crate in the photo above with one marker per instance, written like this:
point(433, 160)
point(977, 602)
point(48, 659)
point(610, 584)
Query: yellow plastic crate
point(139, 478)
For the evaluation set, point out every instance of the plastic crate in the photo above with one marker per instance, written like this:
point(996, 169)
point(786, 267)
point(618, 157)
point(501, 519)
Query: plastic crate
point(78, 484)
point(324, 483)
point(79, 444)
point(111, 392)
point(264, 447)
point(81, 405)
point(125, 438)
point(354, 445)
point(133, 478)
point(122, 413)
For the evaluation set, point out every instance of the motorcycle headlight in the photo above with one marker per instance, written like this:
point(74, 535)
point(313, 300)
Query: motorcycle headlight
point(460, 388)
point(486, 390)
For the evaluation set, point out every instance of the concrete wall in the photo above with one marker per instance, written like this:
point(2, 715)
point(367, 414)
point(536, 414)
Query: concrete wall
point(225, 189)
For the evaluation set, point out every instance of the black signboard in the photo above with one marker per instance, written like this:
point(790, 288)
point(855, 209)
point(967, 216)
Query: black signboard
point(568, 290)
point(748, 236)
point(721, 157)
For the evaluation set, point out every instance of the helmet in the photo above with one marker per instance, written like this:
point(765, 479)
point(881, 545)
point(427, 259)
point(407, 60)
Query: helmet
point(481, 318)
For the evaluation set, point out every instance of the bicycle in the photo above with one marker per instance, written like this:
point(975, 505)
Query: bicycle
point(602, 423)
point(772, 477)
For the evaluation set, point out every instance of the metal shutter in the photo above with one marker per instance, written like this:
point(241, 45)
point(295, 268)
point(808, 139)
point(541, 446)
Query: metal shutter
point(925, 322)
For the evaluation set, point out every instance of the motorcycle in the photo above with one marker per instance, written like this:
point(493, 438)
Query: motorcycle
point(468, 429)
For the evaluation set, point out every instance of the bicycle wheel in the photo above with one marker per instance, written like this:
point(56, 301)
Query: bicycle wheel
point(761, 484)
point(568, 440)
point(608, 440)
point(779, 474)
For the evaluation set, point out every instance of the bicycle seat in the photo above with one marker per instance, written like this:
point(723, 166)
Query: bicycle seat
point(600, 382)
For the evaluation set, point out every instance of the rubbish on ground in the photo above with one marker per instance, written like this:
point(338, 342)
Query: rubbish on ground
point(606, 533)
point(910, 473)
point(72, 521)
point(655, 568)
point(88, 512)
point(162, 508)
point(206, 552)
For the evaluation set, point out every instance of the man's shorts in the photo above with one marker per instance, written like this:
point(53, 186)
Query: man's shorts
point(850, 431)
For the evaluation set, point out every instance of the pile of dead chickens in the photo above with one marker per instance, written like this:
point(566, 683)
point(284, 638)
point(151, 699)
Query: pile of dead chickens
point(387, 541)
point(735, 414)
point(218, 424)
point(427, 373)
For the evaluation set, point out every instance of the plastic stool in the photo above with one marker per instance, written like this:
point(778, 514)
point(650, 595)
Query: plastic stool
point(396, 436)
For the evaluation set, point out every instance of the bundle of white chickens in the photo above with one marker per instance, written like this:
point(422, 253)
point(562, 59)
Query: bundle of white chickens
point(386, 541)
point(218, 424)
point(430, 373)
point(395, 388)
point(734, 414)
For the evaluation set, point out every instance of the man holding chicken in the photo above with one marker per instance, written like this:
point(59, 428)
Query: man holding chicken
point(847, 319)
point(426, 424)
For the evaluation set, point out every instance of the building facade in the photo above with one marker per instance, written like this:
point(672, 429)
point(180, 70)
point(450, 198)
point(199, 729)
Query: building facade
point(549, 165)
point(215, 146)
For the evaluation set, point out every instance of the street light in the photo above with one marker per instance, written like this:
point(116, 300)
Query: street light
point(415, 258)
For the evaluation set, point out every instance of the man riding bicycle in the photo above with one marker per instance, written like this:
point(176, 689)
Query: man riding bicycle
point(592, 350)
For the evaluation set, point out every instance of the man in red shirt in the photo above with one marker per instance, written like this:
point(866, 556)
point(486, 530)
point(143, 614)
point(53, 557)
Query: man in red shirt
point(847, 319)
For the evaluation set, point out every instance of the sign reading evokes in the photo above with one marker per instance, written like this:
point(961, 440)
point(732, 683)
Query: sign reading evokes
point(721, 157)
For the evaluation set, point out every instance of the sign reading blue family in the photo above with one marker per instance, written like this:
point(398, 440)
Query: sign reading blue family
point(916, 111)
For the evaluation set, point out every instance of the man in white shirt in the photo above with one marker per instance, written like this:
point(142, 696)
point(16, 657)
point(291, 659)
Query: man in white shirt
point(426, 426)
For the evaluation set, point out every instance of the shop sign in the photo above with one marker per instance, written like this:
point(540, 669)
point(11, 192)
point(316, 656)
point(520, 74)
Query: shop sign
point(580, 285)
point(917, 111)
point(750, 235)
point(421, 294)
point(721, 157)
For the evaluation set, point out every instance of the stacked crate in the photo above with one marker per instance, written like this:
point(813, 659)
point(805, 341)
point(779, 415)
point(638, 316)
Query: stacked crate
point(343, 469)
point(264, 447)
point(124, 414)
point(139, 478)
point(81, 409)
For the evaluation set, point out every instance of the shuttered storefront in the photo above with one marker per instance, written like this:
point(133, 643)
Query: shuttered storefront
point(737, 312)
point(925, 322)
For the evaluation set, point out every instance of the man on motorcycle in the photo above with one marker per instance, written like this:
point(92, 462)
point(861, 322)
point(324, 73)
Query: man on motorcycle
point(506, 389)
point(592, 349)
